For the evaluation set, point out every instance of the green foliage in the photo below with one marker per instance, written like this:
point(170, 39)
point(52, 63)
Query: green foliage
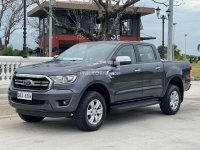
point(9, 51)
point(160, 49)
point(17, 52)
point(193, 59)
point(196, 70)
point(177, 54)
point(6, 51)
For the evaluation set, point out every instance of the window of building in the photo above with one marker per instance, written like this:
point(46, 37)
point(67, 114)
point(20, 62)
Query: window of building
point(46, 22)
point(126, 27)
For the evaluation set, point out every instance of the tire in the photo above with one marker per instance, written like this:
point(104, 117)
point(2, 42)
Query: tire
point(31, 119)
point(171, 102)
point(91, 111)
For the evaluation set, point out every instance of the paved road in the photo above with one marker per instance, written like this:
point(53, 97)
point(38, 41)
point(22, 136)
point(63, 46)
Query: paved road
point(140, 129)
point(5, 109)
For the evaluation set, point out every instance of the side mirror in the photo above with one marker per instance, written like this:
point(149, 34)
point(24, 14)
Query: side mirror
point(123, 60)
point(54, 57)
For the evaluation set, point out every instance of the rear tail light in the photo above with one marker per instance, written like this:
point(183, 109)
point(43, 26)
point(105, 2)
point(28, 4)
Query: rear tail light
point(190, 69)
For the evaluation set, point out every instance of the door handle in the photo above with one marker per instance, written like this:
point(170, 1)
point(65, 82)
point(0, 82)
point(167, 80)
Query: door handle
point(157, 68)
point(137, 70)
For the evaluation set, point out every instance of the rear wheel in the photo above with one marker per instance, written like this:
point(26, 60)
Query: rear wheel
point(91, 112)
point(171, 102)
point(31, 119)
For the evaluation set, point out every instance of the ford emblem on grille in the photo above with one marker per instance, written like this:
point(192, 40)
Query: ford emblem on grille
point(28, 82)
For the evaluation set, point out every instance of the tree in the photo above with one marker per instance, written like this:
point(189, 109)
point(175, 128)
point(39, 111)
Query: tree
point(160, 49)
point(11, 17)
point(9, 51)
point(33, 24)
point(177, 54)
point(109, 15)
point(4, 4)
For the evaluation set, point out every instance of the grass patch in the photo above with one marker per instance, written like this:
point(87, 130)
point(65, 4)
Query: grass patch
point(196, 70)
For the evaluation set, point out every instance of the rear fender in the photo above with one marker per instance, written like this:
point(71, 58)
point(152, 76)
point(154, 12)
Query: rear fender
point(173, 73)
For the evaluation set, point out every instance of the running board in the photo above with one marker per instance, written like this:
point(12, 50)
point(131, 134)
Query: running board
point(133, 104)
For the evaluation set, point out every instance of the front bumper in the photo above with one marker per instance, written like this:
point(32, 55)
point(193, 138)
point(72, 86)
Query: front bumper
point(45, 104)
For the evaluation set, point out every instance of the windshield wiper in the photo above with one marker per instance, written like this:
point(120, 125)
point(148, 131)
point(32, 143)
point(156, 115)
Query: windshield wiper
point(56, 59)
point(73, 60)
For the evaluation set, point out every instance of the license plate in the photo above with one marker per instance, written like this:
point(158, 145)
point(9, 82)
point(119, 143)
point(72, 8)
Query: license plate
point(24, 95)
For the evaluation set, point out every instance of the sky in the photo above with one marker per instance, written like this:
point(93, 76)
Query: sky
point(187, 17)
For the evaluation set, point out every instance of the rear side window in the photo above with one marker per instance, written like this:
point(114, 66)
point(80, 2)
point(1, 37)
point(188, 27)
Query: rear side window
point(146, 53)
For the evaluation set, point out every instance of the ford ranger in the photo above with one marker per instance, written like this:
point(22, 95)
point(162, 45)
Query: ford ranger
point(90, 80)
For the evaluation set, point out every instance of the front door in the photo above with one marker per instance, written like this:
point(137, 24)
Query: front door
point(127, 82)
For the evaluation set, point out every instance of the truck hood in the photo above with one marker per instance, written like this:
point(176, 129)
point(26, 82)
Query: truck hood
point(58, 67)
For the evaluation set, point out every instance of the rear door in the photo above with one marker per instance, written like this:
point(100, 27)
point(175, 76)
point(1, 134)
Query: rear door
point(152, 71)
point(127, 83)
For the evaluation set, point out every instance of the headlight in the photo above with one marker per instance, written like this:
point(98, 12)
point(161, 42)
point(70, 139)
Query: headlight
point(63, 79)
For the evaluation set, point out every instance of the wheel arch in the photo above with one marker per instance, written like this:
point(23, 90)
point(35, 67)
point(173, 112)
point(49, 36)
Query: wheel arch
point(176, 80)
point(102, 89)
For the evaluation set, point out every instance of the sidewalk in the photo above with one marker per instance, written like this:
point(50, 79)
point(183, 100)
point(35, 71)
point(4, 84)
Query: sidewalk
point(4, 87)
point(194, 92)
point(6, 110)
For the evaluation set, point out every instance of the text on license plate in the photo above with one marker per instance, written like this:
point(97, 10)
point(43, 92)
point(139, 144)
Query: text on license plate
point(24, 95)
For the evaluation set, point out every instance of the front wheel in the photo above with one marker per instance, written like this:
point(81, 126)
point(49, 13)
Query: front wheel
point(31, 119)
point(91, 111)
point(171, 102)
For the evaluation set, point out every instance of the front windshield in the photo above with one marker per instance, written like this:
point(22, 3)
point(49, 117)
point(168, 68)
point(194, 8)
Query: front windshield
point(87, 52)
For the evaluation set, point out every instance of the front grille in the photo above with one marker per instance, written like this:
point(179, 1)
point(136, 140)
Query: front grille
point(31, 82)
point(33, 102)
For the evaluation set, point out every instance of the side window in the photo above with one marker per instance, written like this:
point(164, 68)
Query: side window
point(127, 51)
point(146, 53)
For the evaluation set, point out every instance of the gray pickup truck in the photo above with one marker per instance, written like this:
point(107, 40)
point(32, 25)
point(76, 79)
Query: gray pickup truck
point(90, 80)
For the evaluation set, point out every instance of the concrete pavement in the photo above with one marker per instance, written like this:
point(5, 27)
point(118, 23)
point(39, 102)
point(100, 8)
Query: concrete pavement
point(194, 92)
point(140, 129)
point(4, 87)
point(5, 109)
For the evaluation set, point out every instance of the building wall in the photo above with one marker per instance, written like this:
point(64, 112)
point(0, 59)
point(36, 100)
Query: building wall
point(88, 19)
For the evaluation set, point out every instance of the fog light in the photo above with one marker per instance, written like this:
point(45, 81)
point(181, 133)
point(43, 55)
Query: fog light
point(63, 102)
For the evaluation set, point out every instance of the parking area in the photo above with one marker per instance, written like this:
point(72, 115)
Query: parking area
point(139, 129)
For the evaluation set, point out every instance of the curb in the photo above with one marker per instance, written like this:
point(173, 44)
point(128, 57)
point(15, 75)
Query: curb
point(196, 79)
